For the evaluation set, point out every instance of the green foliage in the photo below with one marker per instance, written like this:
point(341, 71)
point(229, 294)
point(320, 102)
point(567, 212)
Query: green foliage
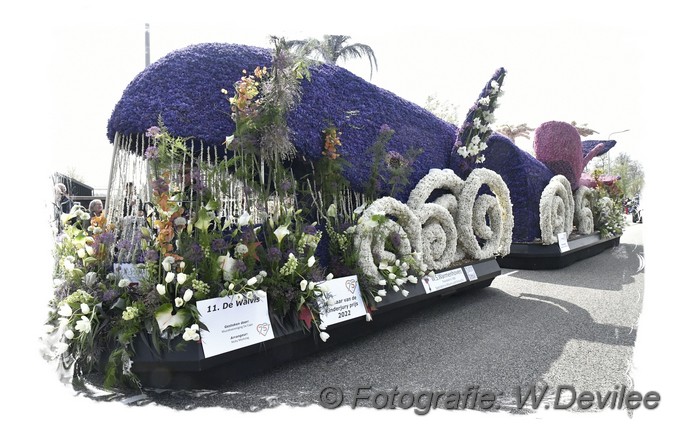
point(631, 173)
point(608, 208)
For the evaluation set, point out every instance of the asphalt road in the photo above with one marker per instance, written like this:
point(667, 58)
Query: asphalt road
point(575, 326)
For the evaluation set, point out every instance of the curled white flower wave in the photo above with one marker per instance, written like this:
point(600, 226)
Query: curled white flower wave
point(437, 219)
point(583, 214)
point(371, 237)
point(556, 209)
point(474, 211)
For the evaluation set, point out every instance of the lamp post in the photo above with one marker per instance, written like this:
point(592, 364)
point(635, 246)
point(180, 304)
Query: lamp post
point(609, 159)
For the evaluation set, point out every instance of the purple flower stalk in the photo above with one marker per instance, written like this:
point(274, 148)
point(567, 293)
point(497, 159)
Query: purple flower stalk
point(151, 152)
point(153, 132)
point(395, 160)
point(219, 246)
point(274, 254)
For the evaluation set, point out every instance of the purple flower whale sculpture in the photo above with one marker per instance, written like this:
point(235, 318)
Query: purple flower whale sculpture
point(184, 88)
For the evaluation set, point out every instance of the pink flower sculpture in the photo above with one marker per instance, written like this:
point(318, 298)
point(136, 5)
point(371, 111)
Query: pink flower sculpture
point(558, 146)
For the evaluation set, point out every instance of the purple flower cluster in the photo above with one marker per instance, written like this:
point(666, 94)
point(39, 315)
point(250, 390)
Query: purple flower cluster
point(153, 132)
point(395, 161)
point(151, 152)
point(150, 256)
point(274, 254)
point(107, 238)
point(395, 239)
point(219, 246)
point(240, 266)
point(309, 229)
point(160, 186)
point(194, 253)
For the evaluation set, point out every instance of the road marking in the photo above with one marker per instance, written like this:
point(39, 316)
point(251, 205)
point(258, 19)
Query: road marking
point(512, 272)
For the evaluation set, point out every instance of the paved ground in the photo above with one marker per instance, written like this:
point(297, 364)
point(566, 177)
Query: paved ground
point(575, 326)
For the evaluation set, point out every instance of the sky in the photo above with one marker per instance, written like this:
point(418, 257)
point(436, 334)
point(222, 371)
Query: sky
point(565, 72)
point(66, 64)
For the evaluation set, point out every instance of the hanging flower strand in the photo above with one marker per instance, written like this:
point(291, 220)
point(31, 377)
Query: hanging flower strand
point(476, 129)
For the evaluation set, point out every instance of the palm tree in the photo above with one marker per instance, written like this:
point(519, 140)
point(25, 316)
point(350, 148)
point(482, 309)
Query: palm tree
point(331, 49)
point(515, 131)
point(583, 129)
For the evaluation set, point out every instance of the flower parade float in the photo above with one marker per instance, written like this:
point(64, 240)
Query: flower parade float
point(262, 207)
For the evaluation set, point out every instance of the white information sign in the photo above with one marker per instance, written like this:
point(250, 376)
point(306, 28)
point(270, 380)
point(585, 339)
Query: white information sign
point(444, 279)
point(129, 271)
point(348, 302)
point(233, 324)
point(562, 240)
point(470, 272)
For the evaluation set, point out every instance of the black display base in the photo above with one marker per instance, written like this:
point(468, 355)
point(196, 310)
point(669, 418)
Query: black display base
point(535, 256)
point(189, 369)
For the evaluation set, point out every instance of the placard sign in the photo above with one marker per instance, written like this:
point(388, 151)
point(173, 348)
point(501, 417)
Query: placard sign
point(562, 240)
point(348, 302)
point(444, 279)
point(129, 271)
point(233, 324)
point(470, 272)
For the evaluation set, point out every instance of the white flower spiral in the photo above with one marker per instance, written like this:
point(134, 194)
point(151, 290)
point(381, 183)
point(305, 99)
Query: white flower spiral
point(583, 214)
point(556, 209)
point(371, 237)
point(474, 210)
point(437, 219)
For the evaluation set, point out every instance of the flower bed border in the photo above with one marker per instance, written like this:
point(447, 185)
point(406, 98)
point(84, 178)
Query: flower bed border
point(536, 256)
point(189, 369)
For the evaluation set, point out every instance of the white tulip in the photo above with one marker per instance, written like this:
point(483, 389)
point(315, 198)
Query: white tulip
point(399, 282)
point(65, 310)
point(169, 277)
point(330, 276)
point(249, 294)
point(123, 283)
point(182, 265)
point(392, 276)
point(188, 294)
point(179, 302)
point(167, 263)
point(239, 297)
point(368, 317)
point(68, 334)
point(404, 292)
point(85, 308)
point(160, 288)
point(324, 336)
point(395, 288)
point(231, 286)
point(261, 293)
point(382, 292)
point(377, 298)
point(181, 278)
point(311, 261)
point(82, 253)
point(412, 279)
point(322, 326)
point(83, 325)
point(303, 284)
point(89, 250)
point(251, 281)
point(382, 282)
